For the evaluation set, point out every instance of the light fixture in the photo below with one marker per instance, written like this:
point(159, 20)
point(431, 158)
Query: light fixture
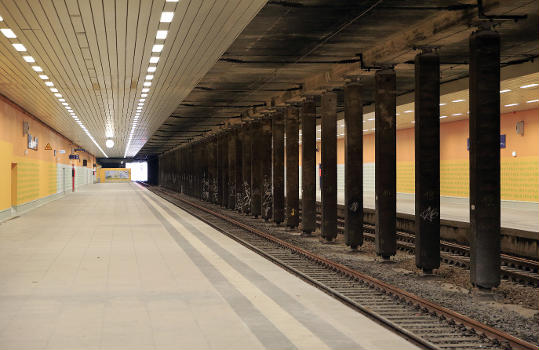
point(8, 33)
point(408, 111)
point(151, 69)
point(44, 77)
point(61, 100)
point(154, 59)
point(529, 86)
point(149, 77)
point(143, 95)
point(370, 119)
point(19, 47)
point(166, 17)
point(58, 95)
point(532, 101)
point(161, 34)
point(109, 143)
point(145, 90)
point(54, 90)
point(504, 91)
point(459, 100)
point(157, 48)
point(142, 99)
point(37, 68)
point(147, 83)
point(443, 104)
point(49, 83)
point(456, 114)
point(443, 116)
point(29, 59)
point(511, 105)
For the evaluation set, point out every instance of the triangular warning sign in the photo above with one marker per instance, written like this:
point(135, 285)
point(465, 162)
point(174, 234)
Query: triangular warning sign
point(48, 147)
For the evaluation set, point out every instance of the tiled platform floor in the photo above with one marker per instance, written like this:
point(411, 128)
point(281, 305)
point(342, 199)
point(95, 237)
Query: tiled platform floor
point(114, 266)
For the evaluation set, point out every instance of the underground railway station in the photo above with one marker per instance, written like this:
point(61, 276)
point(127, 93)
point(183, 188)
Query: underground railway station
point(266, 174)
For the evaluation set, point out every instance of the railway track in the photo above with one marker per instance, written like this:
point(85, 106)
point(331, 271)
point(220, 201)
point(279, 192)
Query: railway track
point(516, 269)
point(427, 324)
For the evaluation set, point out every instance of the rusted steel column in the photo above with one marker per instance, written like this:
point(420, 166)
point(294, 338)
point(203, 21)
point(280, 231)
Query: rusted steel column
point(308, 166)
point(256, 169)
point(329, 166)
point(385, 163)
point(232, 145)
point(266, 190)
point(427, 161)
point(485, 158)
point(246, 169)
point(292, 167)
point(224, 164)
point(353, 165)
point(277, 130)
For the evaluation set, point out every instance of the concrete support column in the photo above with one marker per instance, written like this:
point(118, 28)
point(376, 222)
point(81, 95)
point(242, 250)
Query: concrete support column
point(308, 166)
point(213, 159)
point(329, 166)
point(219, 141)
point(266, 190)
point(224, 166)
point(238, 171)
point(292, 167)
point(246, 169)
point(353, 165)
point(232, 140)
point(485, 158)
point(427, 161)
point(256, 169)
point(385, 166)
point(277, 130)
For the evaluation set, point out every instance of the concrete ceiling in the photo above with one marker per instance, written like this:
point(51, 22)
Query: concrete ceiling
point(96, 54)
point(304, 47)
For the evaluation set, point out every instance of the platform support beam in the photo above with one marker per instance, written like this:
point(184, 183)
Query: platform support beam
point(231, 169)
point(224, 167)
point(385, 163)
point(238, 171)
point(277, 130)
point(266, 191)
point(353, 165)
point(308, 166)
point(329, 166)
point(256, 169)
point(292, 167)
point(427, 161)
point(246, 169)
point(485, 158)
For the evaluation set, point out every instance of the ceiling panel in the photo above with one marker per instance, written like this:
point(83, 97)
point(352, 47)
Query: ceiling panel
point(97, 53)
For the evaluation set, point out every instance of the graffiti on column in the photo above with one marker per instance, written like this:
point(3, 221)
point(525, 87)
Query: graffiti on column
point(205, 189)
point(214, 190)
point(267, 202)
point(246, 200)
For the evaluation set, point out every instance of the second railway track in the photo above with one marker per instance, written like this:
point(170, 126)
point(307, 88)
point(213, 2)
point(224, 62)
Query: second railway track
point(425, 323)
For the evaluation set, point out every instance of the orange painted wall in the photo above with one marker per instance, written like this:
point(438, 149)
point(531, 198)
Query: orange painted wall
point(36, 169)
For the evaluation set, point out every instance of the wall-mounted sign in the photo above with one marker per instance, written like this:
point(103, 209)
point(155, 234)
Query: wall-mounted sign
point(32, 141)
point(62, 151)
point(73, 156)
point(48, 147)
point(79, 150)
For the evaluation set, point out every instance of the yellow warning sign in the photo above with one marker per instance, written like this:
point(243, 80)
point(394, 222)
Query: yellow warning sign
point(48, 147)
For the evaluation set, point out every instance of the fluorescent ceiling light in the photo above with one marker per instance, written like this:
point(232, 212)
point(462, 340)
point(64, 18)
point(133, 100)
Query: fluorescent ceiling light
point(109, 143)
point(151, 69)
point(54, 89)
point(43, 76)
point(504, 91)
point(8, 33)
point(19, 47)
point(143, 95)
point(29, 59)
point(157, 48)
point(49, 83)
point(459, 100)
point(370, 119)
point(142, 99)
point(61, 100)
point(58, 95)
point(511, 105)
point(1, 19)
point(456, 114)
point(532, 101)
point(443, 116)
point(166, 17)
point(154, 59)
point(167, 1)
point(37, 68)
point(149, 77)
point(161, 34)
point(522, 87)
point(145, 89)
point(147, 83)
point(443, 104)
point(65, 103)
point(408, 111)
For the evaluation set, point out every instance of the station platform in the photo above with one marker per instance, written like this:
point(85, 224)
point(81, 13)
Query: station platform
point(115, 266)
point(514, 215)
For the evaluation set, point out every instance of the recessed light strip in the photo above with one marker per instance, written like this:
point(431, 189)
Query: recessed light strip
point(8, 33)
point(166, 18)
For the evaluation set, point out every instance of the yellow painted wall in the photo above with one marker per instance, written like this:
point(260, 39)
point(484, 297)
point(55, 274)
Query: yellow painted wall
point(519, 175)
point(36, 169)
point(103, 179)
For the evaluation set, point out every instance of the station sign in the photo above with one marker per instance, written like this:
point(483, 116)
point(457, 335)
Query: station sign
point(73, 156)
point(79, 150)
point(48, 147)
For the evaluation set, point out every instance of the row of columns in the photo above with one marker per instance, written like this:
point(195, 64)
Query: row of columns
point(244, 168)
